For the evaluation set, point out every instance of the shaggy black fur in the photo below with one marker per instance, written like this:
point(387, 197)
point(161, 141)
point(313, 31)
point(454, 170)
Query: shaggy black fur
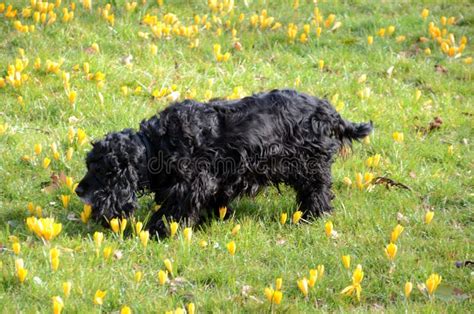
point(196, 157)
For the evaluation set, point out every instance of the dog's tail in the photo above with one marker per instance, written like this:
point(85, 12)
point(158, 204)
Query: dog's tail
point(350, 131)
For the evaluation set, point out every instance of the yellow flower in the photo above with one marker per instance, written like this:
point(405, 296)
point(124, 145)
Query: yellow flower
point(433, 282)
point(359, 181)
point(86, 213)
point(162, 277)
point(81, 136)
point(320, 269)
point(347, 181)
point(67, 286)
point(283, 218)
point(138, 227)
point(417, 94)
point(303, 286)
point(231, 247)
point(138, 276)
point(46, 162)
point(191, 308)
point(203, 243)
point(95, 47)
point(277, 296)
point(427, 51)
point(21, 273)
point(400, 38)
point(53, 253)
point(368, 177)
point(222, 212)
point(72, 97)
point(16, 247)
point(107, 251)
point(187, 234)
point(278, 283)
point(408, 288)
point(429, 216)
point(398, 137)
point(328, 228)
point(391, 251)
point(313, 277)
point(114, 224)
point(468, 60)
point(144, 236)
point(37, 149)
point(346, 261)
point(125, 309)
point(396, 233)
point(65, 200)
point(390, 30)
point(123, 225)
point(168, 265)
point(425, 13)
point(269, 293)
point(297, 216)
point(44, 228)
point(321, 64)
point(99, 297)
point(381, 32)
point(357, 277)
point(58, 305)
point(370, 40)
point(98, 238)
point(318, 31)
point(236, 229)
point(173, 228)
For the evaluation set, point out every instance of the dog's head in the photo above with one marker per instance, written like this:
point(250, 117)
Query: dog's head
point(112, 177)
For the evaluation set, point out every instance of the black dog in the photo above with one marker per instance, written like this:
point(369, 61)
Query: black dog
point(197, 157)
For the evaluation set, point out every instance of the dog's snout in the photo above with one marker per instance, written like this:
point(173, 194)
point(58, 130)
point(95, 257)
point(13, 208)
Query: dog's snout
point(80, 190)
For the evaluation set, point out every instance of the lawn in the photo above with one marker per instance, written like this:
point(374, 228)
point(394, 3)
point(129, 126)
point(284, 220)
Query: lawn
point(69, 74)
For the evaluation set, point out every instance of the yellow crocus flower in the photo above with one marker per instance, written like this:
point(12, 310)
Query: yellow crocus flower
point(98, 238)
point(16, 247)
point(236, 229)
point(144, 236)
point(396, 233)
point(432, 283)
point(173, 228)
point(429, 217)
point(346, 261)
point(58, 305)
point(107, 252)
point(222, 212)
point(407, 289)
point(231, 247)
point(162, 277)
point(297, 216)
point(99, 297)
point(168, 265)
point(67, 286)
point(125, 309)
point(391, 251)
point(115, 225)
point(283, 218)
point(328, 228)
point(303, 286)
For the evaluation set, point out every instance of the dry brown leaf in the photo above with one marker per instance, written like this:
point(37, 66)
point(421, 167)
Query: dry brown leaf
point(440, 69)
point(56, 181)
point(390, 183)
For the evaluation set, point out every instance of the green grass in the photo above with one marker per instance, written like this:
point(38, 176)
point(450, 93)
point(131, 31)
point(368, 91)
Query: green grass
point(210, 277)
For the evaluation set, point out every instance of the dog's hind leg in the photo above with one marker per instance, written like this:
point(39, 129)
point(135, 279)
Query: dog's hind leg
point(313, 201)
point(314, 194)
